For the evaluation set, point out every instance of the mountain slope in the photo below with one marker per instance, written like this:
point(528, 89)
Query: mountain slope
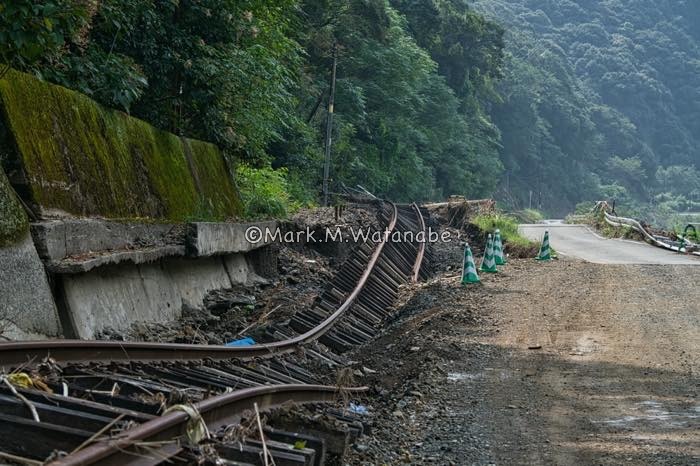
point(606, 87)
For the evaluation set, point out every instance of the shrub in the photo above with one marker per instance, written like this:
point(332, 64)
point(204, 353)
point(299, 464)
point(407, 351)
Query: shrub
point(265, 191)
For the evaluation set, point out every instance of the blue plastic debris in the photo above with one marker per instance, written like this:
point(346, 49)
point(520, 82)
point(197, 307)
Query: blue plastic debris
point(358, 409)
point(247, 341)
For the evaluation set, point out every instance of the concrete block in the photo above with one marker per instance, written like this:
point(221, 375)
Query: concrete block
point(195, 278)
point(118, 295)
point(208, 239)
point(25, 294)
point(237, 268)
point(80, 245)
point(59, 239)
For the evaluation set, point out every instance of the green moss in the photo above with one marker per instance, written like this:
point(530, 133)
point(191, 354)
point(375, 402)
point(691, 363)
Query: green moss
point(84, 159)
point(14, 224)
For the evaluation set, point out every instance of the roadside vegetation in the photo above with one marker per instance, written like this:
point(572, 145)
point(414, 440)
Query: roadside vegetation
point(517, 245)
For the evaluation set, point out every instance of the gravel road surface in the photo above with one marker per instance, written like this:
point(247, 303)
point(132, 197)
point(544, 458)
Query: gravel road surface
point(559, 363)
point(580, 241)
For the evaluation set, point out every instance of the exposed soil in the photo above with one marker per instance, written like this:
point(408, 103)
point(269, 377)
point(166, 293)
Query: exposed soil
point(558, 363)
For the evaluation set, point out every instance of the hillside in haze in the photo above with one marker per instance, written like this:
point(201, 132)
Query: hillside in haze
point(600, 98)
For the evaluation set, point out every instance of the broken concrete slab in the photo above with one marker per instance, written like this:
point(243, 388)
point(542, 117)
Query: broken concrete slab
point(59, 239)
point(208, 239)
point(80, 245)
point(72, 265)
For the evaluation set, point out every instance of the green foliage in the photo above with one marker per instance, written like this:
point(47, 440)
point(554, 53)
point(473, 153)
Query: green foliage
point(13, 220)
point(414, 80)
point(528, 215)
point(629, 172)
point(86, 160)
point(595, 94)
point(31, 30)
point(265, 191)
point(409, 122)
point(507, 224)
point(679, 180)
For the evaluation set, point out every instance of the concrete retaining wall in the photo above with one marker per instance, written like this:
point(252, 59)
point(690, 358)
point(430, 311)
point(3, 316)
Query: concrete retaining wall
point(110, 274)
point(118, 295)
point(27, 309)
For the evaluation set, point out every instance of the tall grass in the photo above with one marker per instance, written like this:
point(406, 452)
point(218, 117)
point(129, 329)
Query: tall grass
point(507, 224)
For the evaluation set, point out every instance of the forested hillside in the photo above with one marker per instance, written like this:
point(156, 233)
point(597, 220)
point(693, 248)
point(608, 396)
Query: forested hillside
point(253, 77)
point(542, 103)
point(600, 98)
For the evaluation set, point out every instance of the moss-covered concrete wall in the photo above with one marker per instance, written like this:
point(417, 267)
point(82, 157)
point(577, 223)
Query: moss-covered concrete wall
point(14, 224)
point(87, 160)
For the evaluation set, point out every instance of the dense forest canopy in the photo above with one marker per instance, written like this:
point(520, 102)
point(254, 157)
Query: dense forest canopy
point(601, 98)
point(543, 103)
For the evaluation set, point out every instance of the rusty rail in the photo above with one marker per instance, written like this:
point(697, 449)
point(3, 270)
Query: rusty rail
point(216, 412)
point(421, 245)
point(19, 353)
point(399, 264)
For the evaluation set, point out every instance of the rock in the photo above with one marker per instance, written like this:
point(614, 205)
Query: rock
point(367, 370)
point(414, 348)
point(361, 447)
point(397, 413)
point(222, 300)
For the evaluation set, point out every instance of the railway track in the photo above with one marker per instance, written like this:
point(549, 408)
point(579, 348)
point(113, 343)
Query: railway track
point(106, 402)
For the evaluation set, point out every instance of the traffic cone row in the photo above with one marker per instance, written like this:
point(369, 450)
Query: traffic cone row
point(493, 256)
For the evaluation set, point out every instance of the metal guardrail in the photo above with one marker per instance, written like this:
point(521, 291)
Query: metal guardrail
point(684, 246)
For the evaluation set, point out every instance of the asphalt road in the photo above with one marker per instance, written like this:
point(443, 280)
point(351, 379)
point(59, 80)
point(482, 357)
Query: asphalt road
point(579, 241)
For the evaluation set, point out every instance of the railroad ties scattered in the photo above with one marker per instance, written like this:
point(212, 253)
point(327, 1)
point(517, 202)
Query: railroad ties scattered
point(77, 402)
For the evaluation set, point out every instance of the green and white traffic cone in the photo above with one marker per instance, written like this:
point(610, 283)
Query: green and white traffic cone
point(545, 253)
point(489, 263)
point(498, 252)
point(469, 274)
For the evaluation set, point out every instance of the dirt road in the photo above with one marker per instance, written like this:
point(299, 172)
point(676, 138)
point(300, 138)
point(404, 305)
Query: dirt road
point(561, 363)
point(580, 241)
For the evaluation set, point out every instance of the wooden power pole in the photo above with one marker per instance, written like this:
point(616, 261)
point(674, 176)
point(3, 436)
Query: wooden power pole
point(329, 128)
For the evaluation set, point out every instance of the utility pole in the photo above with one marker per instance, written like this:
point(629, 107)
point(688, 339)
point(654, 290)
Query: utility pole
point(329, 128)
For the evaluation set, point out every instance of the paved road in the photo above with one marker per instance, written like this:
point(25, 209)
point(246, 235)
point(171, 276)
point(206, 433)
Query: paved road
point(580, 241)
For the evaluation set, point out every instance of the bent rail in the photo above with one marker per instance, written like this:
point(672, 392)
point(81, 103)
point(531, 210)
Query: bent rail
point(216, 412)
point(19, 353)
point(421, 245)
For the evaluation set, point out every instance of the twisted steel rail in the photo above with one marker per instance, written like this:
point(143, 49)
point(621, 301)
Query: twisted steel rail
point(18, 353)
point(215, 412)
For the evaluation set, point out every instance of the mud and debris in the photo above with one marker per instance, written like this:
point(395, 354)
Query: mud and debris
point(560, 363)
point(304, 269)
